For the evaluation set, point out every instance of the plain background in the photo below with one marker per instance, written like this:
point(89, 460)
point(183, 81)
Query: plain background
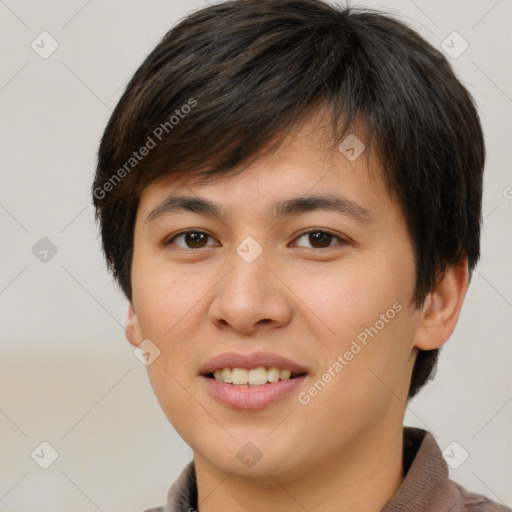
point(69, 377)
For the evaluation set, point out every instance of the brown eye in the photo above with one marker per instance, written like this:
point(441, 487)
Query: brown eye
point(191, 239)
point(319, 239)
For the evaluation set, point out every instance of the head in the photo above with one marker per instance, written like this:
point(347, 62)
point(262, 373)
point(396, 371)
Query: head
point(258, 114)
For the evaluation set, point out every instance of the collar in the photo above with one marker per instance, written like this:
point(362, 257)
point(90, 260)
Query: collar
point(425, 473)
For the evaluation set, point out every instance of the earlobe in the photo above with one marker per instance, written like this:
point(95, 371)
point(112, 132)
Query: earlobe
point(442, 307)
point(132, 330)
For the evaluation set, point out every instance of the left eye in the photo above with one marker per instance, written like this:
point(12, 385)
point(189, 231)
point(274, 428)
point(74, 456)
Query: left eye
point(320, 239)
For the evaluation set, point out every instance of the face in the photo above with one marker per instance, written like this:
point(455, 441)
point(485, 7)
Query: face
point(268, 278)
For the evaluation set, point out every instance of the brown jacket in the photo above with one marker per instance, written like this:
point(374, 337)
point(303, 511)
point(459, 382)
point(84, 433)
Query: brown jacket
point(426, 486)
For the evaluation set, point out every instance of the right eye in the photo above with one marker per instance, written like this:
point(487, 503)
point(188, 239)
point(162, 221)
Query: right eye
point(192, 239)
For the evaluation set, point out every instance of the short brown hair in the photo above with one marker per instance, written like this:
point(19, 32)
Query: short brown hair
point(249, 70)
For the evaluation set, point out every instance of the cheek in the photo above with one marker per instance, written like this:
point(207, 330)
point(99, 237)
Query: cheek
point(163, 296)
point(167, 310)
point(350, 299)
point(369, 365)
point(170, 389)
point(370, 322)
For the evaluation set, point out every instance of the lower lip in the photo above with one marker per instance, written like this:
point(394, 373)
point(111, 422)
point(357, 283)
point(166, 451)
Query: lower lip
point(257, 397)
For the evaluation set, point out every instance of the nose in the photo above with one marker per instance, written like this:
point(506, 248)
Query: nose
point(250, 297)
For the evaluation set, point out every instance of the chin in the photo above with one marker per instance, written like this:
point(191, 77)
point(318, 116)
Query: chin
point(257, 458)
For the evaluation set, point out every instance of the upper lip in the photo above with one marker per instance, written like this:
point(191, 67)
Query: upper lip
point(250, 361)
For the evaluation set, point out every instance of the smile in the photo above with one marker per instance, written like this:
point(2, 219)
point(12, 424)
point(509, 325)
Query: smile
point(252, 380)
point(247, 396)
point(252, 377)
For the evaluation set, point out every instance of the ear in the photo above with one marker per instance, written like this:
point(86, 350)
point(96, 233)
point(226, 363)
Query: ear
point(441, 309)
point(132, 330)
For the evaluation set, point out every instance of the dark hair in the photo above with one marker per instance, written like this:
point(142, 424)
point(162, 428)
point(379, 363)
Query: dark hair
point(227, 83)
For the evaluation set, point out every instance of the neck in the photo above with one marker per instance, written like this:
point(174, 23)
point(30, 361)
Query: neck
point(362, 478)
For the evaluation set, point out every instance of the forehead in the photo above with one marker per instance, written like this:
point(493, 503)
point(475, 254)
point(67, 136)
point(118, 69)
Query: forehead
point(308, 161)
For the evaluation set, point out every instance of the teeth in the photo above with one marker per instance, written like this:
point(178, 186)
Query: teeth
point(226, 375)
point(239, 375)
point(273, 374)
point(258, 376)
point(284, 374)
point(254, 377)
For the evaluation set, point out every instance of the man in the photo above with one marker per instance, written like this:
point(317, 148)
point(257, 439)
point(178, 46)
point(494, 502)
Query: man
point(290, 197)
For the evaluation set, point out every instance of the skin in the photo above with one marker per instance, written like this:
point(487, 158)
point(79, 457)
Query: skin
point(303, 299)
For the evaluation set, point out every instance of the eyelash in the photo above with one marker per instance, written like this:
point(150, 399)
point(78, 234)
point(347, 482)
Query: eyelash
point(323, 231)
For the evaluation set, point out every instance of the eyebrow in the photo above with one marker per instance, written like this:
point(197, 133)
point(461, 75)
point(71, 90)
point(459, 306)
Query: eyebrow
point(281, 208)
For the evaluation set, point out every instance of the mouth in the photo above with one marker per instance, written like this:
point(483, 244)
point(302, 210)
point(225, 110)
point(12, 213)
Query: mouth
point(252, 381)
point(253, 377)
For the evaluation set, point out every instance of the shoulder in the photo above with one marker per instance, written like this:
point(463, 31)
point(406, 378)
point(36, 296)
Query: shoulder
point(471, 502)
point(427, 486)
